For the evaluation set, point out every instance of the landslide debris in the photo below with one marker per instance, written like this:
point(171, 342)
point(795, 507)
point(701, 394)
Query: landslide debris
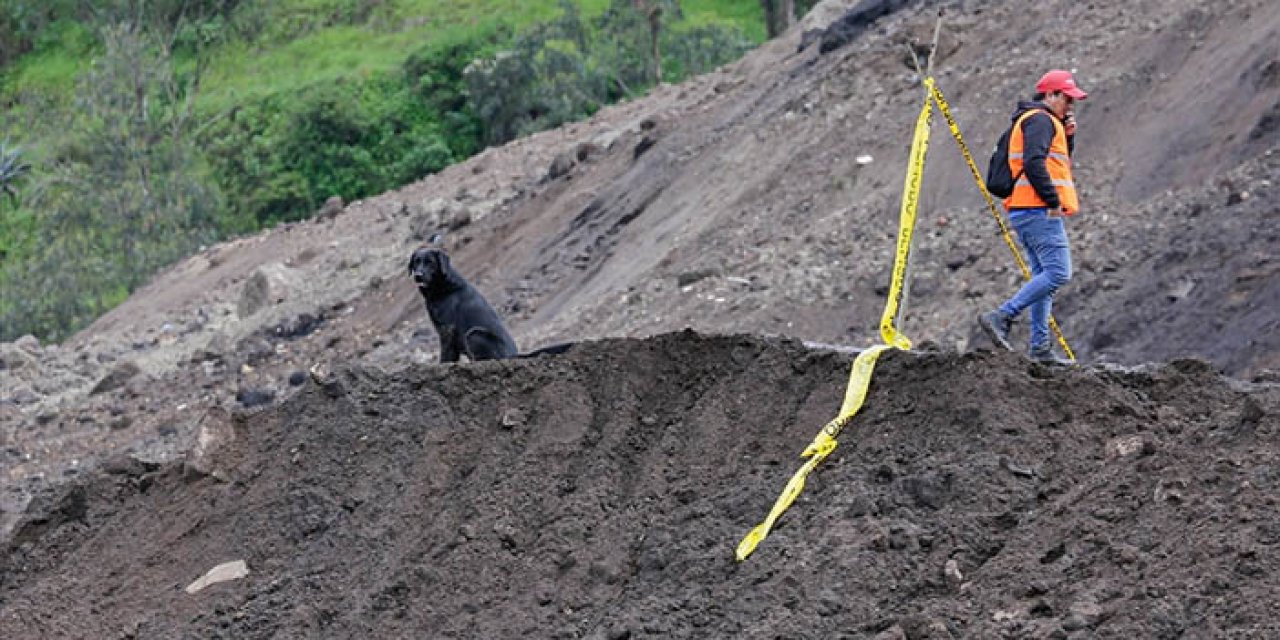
point(600, 494)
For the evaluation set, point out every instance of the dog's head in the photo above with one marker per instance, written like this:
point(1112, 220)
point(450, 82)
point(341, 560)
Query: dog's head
point(429, 268)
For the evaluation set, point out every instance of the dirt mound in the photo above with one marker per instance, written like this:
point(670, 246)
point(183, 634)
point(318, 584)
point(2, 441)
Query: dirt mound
point(741, 201)
point(601, 493)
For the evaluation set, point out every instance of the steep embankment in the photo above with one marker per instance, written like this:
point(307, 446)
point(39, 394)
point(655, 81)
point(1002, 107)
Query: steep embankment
point(736, 203)
point(600, 494)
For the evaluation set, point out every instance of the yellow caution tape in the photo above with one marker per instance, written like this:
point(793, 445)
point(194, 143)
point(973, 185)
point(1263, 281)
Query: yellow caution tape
point(860, 374)
point(991, 205)
point(907, 223)
point(821, 447)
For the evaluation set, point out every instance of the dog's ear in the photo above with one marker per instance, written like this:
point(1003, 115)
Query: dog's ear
point(442, 261)
point(413, 257)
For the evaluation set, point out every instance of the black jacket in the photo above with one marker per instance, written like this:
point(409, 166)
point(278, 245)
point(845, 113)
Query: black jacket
point(1037, 135)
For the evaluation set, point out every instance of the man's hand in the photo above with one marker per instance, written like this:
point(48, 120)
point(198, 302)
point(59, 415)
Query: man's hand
point(1069, 124)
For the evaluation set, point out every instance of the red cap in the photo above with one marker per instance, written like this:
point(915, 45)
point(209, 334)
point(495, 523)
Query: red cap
point(1059, 80)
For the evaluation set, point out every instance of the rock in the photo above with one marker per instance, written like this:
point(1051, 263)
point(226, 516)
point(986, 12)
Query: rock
point(855, 22)
point(214, 451)
point(1170, 491)
point(305, 256)
point(457, 218)
point(606, 139)
point(270, 284)
point(10, 414)
point(829, 603)
point(1126, 446)
point(326, 380)
point(561, 165)
point(123, 464)
point(224, 572)
point(952, 572)
point(513, 418)
point(17, 360)
point(331, 208)
point(585, 150)
point(249, 398)
point(302, 325)
point(1251, 413)
point(137, 385)
point(118, 377)
point(1082, 614)
point(28, 343)
point(255, 295)
point(1179, 290)
point(689, 277)
point(644, 145)
point(920, 627)
point(432, 217)
point(297, 378)
point(1192, 366)
point(892, 633)
point(1126, 553)
point(507, 533)
point(1005, 615)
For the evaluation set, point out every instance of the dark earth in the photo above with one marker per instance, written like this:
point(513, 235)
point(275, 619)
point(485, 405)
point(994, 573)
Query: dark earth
point(599, 494)
point(719, 251)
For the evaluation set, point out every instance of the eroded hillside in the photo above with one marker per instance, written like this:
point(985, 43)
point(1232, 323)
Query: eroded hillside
point(600, 494)
point(732, 204)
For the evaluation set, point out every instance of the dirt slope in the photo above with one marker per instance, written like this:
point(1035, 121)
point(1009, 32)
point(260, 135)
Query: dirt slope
point(730, 204)
point(600, 495)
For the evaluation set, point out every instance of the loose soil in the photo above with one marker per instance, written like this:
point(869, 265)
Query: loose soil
point(274, 398)
point(600, 494)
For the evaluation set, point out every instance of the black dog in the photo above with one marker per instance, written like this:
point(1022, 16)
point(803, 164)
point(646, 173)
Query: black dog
point(463, 319)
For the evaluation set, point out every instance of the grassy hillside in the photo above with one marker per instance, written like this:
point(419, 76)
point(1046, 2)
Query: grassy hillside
point(151, 132)
point(296, 43)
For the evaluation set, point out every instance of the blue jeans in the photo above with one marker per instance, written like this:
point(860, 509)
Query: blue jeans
point(1049, 257)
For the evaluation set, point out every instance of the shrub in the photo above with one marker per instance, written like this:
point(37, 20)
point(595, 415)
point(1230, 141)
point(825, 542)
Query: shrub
point(124, 194)
point(566, 69)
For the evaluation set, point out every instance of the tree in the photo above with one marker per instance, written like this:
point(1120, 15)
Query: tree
point(653, 12)
point(566, 69)
point(778, 16)
point(123, 193)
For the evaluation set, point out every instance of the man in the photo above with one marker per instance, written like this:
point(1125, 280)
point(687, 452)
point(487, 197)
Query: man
point(1044, 195)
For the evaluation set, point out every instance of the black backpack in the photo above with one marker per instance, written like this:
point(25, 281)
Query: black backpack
point(1000, 179)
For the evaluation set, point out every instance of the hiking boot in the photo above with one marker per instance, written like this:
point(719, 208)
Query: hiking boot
point(1044, 354)
point(997, 326)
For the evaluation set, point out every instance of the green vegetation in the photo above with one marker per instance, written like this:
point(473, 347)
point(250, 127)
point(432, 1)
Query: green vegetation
point(151, 127)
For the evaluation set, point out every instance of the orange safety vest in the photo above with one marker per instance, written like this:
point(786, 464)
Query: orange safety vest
point(1058, 162)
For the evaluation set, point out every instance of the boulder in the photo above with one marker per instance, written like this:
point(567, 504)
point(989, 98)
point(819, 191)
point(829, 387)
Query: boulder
point(269, 284)
point(16, 360)
point(561, 165)
point(118, 377)
point(217, 444)
point(331, 208)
